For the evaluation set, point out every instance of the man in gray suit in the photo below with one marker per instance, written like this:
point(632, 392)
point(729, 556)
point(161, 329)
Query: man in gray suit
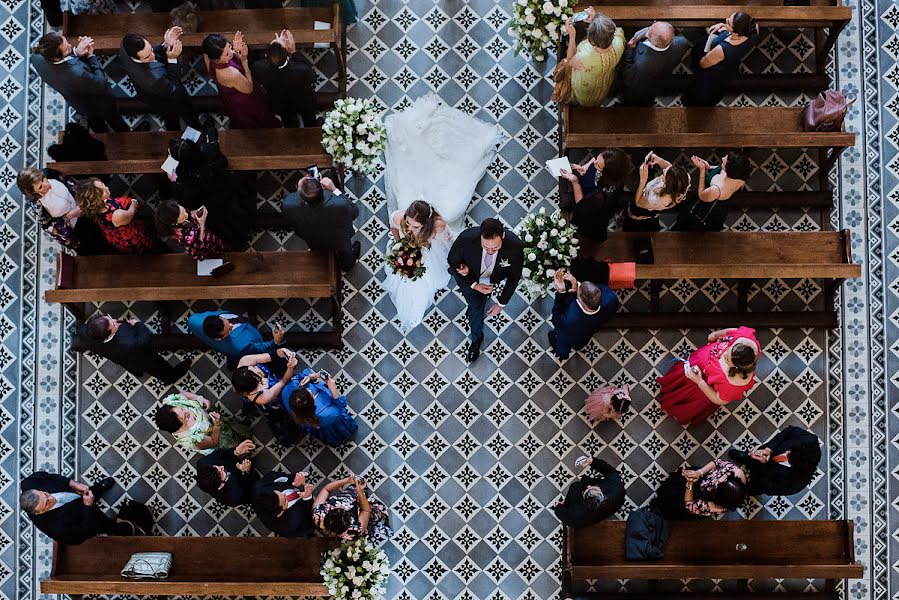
point(76, 73)
point(323, 216)
point(648, 64)
point(156, 76)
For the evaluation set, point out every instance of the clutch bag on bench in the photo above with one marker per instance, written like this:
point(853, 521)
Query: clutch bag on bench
point(148, 565)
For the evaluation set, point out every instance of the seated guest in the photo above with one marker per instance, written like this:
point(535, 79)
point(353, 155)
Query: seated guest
point(596, 189)
point(92, 7)
point(647, 67)
point(717, 62)
point(129, 344)
point(784, 466)
point(78, 75)
point(323, 216)
point(284, 504)
point(289, 80)
point(343, 509)
point(689, 494)
point(64, 509)
point(232, 335)
point(116, 218)
point(607, 403)
point(707, 210)
point(243, 100)
point(318, 408)
point(185, 416)
point(188, 230)
point(156, 76)
point(597, 495)
point(259, 379)
point(579, 311)
point(593, 62)
point(665, 191)
point(227, 474)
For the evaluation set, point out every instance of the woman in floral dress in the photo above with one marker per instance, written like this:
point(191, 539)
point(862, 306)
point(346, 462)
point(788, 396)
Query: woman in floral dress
point(690, 494)
point(185, 416)
point(188, 230)
point(116, 218)
point(343, 509)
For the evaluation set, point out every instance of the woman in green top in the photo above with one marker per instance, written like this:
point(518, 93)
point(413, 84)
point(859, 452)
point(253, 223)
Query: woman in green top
point(594, 62)
point(184, 416)
point(707, 210)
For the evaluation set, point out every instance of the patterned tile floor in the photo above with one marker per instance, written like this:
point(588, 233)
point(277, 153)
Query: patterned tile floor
point(468, 459)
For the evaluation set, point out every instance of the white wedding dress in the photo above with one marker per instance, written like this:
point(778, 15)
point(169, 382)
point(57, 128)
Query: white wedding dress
point(437, 154)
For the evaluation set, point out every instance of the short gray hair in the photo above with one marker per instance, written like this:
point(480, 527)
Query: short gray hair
point(29, 501)
point(594, 497)
point(601, 31)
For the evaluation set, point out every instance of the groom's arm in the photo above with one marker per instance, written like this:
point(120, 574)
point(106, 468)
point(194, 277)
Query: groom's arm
point(514, 277)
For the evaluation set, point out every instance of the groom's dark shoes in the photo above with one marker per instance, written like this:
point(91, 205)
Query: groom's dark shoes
point(474, 351)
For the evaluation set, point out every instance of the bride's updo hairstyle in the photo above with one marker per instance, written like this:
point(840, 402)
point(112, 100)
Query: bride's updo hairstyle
point(421, 212)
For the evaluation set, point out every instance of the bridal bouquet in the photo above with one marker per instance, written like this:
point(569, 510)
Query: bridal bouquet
point(354, 134)
point(405, 259)
point(549, 244)
point(538, 24)
point(356, 571)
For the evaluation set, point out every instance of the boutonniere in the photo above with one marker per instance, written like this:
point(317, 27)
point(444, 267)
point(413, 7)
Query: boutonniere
point(504, 262)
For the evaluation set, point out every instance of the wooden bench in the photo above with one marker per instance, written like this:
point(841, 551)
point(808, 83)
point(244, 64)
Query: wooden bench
point(246, 149)
point(738, 549)
point(173, 277)
point(744, 256)
point(201, 566)
point(207, 103)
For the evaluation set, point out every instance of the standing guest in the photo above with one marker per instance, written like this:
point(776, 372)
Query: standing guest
point(185, 416)
point(579, 311)
point(156, 76)
point(77, 74)
point(594, 61)
point(129, 344)
point(64, 509)
point(479, 259)
point(707, 210)
point(243, 100)
point(714, 375)
point(596, 189)
point(689, 494)
point(596, 496)
point(188, 230)
point(231, 334)
point(652, 197)
point(289, 80)
point(607, 403)
point(284, 504)
point(318, 408)
point(784, 466)
point(116, 218)
point(259, 379)
point(323, 216)
point(344, 509)
point(227, 474)
point(647, 68)
point(717, 63)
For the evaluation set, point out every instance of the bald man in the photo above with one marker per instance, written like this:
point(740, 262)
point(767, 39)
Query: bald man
point(648, 64)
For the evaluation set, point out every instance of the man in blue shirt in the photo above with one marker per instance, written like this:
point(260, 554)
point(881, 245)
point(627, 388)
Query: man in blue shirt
point(232, 335)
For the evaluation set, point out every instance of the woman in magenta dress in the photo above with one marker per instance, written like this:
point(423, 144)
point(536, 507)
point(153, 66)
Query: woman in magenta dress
point(716, 374)
point(116, 218)
point(244, 100)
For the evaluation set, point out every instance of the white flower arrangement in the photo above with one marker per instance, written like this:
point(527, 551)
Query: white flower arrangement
point(550, 243)
point(538, 24)
point(354, 134)
point(356, 570)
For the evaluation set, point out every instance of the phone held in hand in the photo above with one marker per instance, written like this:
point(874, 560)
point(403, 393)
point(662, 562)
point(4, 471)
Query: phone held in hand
point(648, 158)
point(581, 16)
point(324, 374)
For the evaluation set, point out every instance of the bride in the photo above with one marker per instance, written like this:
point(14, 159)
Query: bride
point(435, 157)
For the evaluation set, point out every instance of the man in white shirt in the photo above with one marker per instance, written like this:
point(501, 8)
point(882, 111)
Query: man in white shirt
point(284, 504)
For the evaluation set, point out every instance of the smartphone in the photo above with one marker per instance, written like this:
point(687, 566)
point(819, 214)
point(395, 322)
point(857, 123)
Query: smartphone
point(648, 158)
point(313, 171)
point(324, 374)
point(581, 16)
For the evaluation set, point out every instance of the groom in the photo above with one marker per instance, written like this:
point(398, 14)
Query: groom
point(480, 258)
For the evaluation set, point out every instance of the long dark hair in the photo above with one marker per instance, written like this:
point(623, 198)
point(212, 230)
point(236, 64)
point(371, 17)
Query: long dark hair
point(167, 214)
point(302, 407)
point(214, 45)
point(744, 358)
point(245, 380)
point(728, 494)
point(421, 212)
point(675, 183)
point(743, 24)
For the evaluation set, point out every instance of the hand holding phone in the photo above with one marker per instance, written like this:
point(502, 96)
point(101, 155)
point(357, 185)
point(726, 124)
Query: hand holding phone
point(581, 16)
point(324, 375)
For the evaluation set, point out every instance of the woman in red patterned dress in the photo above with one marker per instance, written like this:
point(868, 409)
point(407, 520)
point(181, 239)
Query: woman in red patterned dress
point(116, 218)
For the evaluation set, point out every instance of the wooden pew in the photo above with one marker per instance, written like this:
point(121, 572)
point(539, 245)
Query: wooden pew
point(246, 149)
point(173, 277)
point(201, 566)
point(739, 549)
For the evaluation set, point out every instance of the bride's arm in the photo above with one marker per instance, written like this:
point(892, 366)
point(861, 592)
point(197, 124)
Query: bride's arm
point(395, 224)
point(442, 231)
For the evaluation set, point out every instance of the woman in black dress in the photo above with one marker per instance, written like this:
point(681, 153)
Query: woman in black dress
point(596, 189)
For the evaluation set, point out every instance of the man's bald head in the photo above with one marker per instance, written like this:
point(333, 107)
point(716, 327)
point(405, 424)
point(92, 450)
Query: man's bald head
point(660, 34)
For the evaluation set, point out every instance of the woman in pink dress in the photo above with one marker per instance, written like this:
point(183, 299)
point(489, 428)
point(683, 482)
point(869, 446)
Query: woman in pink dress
point(607, 403)
point(716, 374)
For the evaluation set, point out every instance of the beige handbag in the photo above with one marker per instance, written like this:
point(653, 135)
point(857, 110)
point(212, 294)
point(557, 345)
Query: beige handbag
point(562, 82)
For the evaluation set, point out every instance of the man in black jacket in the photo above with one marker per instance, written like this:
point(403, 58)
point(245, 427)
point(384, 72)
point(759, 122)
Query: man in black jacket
point(65, 509)
point(289, 80)
point(284, 504)
point(227, 474)
point(594, 497)
point(784, 466)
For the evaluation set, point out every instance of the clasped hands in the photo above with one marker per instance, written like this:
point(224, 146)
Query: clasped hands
point(285, 38)
point(561, 277)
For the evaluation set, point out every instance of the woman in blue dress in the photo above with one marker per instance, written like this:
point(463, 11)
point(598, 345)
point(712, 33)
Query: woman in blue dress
point(318, 409)
point(717, 63)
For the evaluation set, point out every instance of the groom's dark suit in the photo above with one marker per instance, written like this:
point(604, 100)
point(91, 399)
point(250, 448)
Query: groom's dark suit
point(507, 265)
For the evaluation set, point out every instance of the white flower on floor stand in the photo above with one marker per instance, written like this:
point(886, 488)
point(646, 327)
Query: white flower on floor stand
point(354, 134)
point(550, 243)
point(356, 570)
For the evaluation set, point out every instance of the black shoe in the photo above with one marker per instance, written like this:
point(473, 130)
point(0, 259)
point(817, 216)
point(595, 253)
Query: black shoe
point(738, 456)
point(181, 369)
point(357, 250)
point(102, 486)
point(552, 340)
point(474, 351)
point(142, 127)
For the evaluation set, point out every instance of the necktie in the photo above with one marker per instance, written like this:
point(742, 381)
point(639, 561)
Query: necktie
point(488, 260)
point(782, 458)
point(291, 495)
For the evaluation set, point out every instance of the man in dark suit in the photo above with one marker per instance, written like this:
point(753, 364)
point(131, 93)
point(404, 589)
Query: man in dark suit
point(579, 310)
point(65, 509)
point(647, 67)
point(323, 216)
point(480, 258)
point(128, 344)
point(784, 466)
point(289, 80)
point(284, 504)
point(595, 496)
point(156, 76)
point(227, 474)
point(78, 75)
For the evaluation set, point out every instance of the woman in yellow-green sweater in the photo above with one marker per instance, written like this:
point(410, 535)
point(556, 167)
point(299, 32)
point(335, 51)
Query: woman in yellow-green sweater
point(594, 62)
